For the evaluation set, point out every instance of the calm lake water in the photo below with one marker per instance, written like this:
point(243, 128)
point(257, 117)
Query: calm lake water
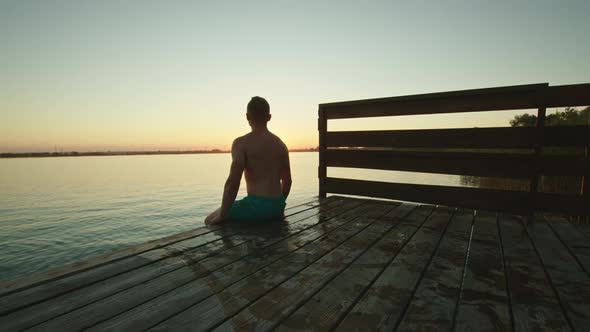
point(57, 210)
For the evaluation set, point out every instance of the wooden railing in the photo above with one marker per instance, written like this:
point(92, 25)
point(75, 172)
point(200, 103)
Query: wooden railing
point(426, 150)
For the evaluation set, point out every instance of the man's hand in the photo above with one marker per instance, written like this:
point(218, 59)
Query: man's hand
point(214, 218)
point(212, 221)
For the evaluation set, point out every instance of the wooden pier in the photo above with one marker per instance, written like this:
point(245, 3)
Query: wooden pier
point(335, 263)
point(457, 259)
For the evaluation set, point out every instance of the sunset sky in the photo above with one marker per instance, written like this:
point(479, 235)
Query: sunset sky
point(128, 75)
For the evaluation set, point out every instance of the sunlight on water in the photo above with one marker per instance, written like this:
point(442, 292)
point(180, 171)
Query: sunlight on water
point(58, 210)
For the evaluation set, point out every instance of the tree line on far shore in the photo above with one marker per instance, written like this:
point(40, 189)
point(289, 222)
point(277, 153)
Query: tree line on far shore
point(569, 116)
point(557, 184)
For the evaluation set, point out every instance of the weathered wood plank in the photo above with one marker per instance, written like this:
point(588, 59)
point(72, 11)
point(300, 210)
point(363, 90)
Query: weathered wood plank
point(461, 163)
point(296, 206)
point(568, 95)
point(499, 200)
point(158, 260)
point(46, 290)
point(154, 311)
point(477, 100)
point(571, 282)
point(518, 202)
point(327, 307)
point(584, 228)
point(14, 285)
point(502, 137)
point(473, 138)
point(490, 99)
point(316, 271)
point(286, 298)
point(569, 204)
point(283, 300)
point(10, 286)
point(484, 303)
point(575, 135)
point(179, 269)
point(131, 297)
point(331, 303)
point(574, 238)
point(214, 310)
point(383, 304)
point(534, 303)
point(434, 302)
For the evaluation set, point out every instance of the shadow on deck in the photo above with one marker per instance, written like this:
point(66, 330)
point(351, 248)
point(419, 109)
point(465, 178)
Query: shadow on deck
point(342, 263)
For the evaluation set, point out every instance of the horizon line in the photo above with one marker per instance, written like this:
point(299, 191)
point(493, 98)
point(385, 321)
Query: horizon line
point(123, 153)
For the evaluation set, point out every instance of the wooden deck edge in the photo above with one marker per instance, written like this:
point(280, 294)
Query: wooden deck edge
point(36, 278)
point(12, 285)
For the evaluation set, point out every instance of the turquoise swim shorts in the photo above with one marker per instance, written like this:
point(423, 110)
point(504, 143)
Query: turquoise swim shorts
point(252, 208)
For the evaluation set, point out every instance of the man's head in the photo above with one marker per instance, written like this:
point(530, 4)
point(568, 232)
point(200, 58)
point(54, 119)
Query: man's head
point(258, 110)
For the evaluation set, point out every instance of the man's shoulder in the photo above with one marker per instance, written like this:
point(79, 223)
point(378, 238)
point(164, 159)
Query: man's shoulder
point(281, 142)
point(241, 139)
point(238, 143)
point(276, 137)
point(251, 139)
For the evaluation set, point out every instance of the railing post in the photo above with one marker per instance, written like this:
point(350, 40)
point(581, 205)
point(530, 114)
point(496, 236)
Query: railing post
point(322, 169)
point(585, 188)
point(540, 139)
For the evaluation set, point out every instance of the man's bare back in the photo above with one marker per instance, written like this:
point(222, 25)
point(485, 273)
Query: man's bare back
point(264, 160)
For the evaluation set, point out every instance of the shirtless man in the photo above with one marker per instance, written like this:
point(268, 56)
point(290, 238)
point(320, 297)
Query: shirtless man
point(264, 159)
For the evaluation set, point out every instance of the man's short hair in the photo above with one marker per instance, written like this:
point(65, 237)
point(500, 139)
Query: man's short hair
point(258, 109)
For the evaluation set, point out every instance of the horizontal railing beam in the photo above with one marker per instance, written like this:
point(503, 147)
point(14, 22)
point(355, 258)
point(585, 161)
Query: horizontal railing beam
point(519, 202)
point(568, 95)
point(476, 198)
point(459, 163)
point(500, 137)
point(491, 99)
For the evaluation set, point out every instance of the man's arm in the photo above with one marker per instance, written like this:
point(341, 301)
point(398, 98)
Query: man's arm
point(232, 184)
point(286, 175)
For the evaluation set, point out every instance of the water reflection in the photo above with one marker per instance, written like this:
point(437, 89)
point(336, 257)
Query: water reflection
point(549, 184)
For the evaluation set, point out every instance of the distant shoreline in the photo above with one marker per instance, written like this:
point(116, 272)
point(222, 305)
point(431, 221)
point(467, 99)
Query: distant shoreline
point(119, 153)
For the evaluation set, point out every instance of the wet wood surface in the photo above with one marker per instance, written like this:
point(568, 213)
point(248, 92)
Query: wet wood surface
point(484, 303)
point(338, 263)
point(535, 305)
